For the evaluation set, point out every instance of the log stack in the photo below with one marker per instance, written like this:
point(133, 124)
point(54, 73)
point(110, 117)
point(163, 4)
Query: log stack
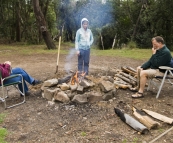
point(125, 78)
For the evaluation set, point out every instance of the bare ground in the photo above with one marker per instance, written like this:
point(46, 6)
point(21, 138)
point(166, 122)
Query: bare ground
point(34, 121)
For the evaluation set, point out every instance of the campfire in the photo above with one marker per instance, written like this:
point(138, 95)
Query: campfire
point(77, 77)
point(77, 87)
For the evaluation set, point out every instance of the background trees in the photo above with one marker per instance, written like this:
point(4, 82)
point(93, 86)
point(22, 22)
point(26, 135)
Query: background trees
point(116, 20)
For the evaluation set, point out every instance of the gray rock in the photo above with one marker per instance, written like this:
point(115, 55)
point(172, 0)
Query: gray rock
point(94, 97)
point(107, 96)
point(50, 82)
point(80, 98)
point(49, 93)
point(73, 87)
point(61, 96)
point(106, 86)
point(64, 86)
point(80, 89)
point(84, 83)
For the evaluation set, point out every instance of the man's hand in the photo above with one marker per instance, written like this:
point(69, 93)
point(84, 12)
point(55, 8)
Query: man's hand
point(7, 62)
point(154, 50)
point(78, 53)
point(139, 68)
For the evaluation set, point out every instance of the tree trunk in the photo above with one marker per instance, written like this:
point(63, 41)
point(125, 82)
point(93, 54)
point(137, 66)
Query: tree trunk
point(18, 30)
point(137, 22)
point(42, 25)
point(101, 38)
point(114, 41)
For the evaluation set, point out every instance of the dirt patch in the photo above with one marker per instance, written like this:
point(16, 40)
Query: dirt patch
point(34, 121)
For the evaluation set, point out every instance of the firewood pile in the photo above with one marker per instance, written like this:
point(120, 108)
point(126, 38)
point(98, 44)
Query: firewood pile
point(80, 88)
point(125, 78)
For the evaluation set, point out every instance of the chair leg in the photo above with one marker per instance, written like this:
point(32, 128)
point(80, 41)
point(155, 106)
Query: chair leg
point(149, 84)
point(163, 80)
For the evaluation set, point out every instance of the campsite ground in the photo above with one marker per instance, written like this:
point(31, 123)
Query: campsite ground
point(34, 121)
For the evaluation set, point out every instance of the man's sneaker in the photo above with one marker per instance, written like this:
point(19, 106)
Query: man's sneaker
point(35, 82)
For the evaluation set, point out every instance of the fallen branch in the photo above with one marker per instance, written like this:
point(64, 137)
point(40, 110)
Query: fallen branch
point(161, 135)
point(144, 119)
point(159, 116)
point(131, 121)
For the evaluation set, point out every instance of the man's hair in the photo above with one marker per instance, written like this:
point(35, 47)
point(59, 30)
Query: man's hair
point(159, 39)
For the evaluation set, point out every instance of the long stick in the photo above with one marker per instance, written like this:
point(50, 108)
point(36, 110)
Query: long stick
point(161, 135)
point(58, 55)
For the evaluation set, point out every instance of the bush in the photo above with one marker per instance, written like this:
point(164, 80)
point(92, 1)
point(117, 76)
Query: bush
point(131, 45)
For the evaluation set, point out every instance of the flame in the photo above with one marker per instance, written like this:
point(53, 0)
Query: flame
point(77, 77)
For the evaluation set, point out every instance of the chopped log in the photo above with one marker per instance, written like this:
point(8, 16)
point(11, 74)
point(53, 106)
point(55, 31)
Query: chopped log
point(126, 79)
point(128, 76)
point(159, 116)
point(131, 121)
point(123, 86)
point(119, 80)
point(144, 119)
point(124, 68)
point(138, 78)
point(132, 69)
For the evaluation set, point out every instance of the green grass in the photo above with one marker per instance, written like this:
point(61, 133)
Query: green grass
point(2, 117)
point(83, 134)
point(3, 132)
point(18, 49)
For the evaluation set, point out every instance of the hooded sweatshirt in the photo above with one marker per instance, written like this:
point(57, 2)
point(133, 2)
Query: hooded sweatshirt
point(84, 38)
point(5, 70)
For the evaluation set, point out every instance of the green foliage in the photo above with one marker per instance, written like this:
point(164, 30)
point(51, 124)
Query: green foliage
point(130, 20)
point(2, 117)
point(83, 134)
point(131, 45)
point(3, 133)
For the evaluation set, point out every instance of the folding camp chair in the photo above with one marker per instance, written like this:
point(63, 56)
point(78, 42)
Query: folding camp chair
point(167, 75)
point(4, 89)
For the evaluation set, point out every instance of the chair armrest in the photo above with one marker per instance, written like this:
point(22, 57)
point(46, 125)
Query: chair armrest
point(12, 76)
point(165, 68)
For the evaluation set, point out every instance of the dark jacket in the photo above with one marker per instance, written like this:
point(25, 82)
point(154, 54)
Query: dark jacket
point(5, 70)
point(162, 57)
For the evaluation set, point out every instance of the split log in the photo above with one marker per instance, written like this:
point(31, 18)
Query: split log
point(126, 79)
point(123, 86)
point(128, 76)
point(125, 69)
point(159, 116)
point(119, 80)
point(144, 119)
point(131, 121)
point(132, 69)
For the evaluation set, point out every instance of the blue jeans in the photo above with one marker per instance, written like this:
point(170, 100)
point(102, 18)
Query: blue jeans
point(26, 77)
point(83, 60)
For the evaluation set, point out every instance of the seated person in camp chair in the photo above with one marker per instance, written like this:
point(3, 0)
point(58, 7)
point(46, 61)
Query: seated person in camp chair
point(161, 56)
point(6, 71)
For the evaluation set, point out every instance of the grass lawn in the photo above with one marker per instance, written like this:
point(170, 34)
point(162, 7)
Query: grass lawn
point(3, 132)
point(7, 50)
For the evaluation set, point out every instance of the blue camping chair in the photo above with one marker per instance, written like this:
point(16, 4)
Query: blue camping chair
point(4, 88)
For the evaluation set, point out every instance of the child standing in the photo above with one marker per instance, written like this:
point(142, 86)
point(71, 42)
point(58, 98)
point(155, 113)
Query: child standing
point(83, 41)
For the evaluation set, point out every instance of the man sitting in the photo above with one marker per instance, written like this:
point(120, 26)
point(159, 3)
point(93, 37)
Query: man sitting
point(161, 56)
